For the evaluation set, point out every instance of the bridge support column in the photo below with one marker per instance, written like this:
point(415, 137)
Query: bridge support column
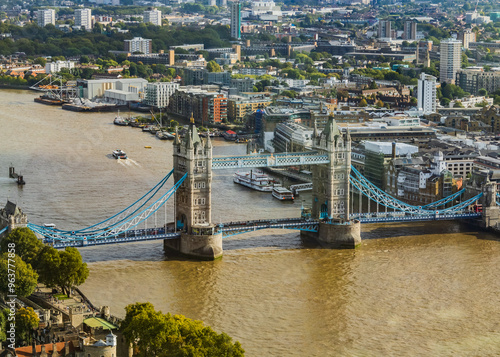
point(204, 244)
point(337, 235)
point(491, 211)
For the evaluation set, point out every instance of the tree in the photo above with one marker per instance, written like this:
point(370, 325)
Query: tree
point(156, 334)
point(379, 103)
point(47, 266)
point(73, 271)
point(27, 245)
point(213, 66)
point(24, 279)
point(41, 61)
point(458, 104)
point(483, 92)
point(445, 102)
point(362, 103)
point(26, 320)
point(373, 85)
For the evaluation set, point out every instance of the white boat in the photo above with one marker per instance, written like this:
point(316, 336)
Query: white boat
point(255, 180)
point(282, 193)
point(119, 154)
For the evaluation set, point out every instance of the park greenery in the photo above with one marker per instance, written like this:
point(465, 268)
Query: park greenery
point(154, 334)
point(39, 263)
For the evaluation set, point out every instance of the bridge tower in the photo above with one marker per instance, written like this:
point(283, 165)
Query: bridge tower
point(331, 181)
point(330, 193)
point(193, 199)
point(13, 217)
point(491, 211)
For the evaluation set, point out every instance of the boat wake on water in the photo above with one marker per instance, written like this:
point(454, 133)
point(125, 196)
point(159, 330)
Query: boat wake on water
point(133, 162)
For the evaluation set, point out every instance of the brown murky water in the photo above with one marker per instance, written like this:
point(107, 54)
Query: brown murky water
point(431, 289)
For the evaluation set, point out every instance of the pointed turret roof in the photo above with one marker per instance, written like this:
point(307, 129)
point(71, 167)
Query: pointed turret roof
point(331, 129)
point(192, 138)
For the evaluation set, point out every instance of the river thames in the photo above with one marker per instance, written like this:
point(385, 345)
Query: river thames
point(428, 289)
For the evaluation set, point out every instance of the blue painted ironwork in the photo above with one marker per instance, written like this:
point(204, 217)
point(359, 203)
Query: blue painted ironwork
point(117, 230)
point(377, 195)
point(122, 216)
point(3, 230)
point(498, 199)
point(269, 160)
point(398, 217)
point(445, 200)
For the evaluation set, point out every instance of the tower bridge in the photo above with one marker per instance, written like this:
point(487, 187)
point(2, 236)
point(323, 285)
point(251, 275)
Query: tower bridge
point(332, 221)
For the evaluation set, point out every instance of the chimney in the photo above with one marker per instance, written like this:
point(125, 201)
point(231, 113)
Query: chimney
point(393, 149)
point(54, 350)
point(43, 353)
point(33, 348)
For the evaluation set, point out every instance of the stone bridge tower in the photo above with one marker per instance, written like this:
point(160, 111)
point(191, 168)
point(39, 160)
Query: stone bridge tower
point(330, 193)
point(331, 181)
point(12, 216)
point(193, 199)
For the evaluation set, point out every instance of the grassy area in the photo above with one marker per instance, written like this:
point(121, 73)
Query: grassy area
point(61, 296)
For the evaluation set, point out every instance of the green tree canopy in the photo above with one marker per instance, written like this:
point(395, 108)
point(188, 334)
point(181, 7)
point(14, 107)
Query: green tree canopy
point(362, 103)
point(160, 335)
point(27, 245)
point(26, 320)
point(24, 280)
point(213, 66)
point(47, 266)
point(63, 269)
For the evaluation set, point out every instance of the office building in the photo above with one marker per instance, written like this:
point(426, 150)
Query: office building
point(236, 20)
point(450, 59)
point(83, 18)
point(46, 17)
point(384, 29)
point(152, 16)
point(410, 31)
point(139, 44)
point(426, 98)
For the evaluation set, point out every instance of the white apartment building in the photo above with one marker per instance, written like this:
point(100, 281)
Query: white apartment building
point(83, 18)
point(46, 17)
point(426, 97)
point(152, 16)
point(54, 67)
point(139, 44)
point(451, 55)
point(159, 93)
point(260, 7)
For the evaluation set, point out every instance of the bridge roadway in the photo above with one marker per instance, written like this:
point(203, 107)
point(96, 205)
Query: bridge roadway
point(239, 227)
point(269, 160)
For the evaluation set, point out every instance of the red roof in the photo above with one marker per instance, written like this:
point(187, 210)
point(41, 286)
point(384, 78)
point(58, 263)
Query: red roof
point(28, 350)
point(230, 132)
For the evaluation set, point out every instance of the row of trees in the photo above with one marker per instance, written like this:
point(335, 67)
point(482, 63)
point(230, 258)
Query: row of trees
point(49, 41)
point(36, 262)
point(155, 334)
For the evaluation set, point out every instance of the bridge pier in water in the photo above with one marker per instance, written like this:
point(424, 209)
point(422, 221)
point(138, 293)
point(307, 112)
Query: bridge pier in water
point(193, 200)
point(331, 190)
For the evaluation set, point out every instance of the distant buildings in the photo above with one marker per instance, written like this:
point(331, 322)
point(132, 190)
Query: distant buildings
point(473, 79)
point(152, 16)
point(204, 102)
point(83, 19)
point(410, 31)
point(159, 93)
point(384, 29)
point(467, 36)
point(236, 20)
point(426, 98)
point(138, 44)
point(450, 60)
point(46, 17)
point(54, 67)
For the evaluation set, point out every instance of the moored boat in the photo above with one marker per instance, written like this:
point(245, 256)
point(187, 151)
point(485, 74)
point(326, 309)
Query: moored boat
point(282, 193)
point(119, 154)
point(255, 180)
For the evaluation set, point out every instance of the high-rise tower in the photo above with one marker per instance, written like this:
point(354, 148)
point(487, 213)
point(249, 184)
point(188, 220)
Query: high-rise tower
point(236, 19)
